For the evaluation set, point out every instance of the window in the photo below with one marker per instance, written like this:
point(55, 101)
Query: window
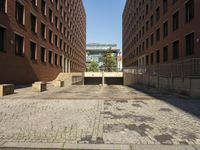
point(174, 1)
point(56, 40)
point(61, 43)
point(165, 54)
point(56, 59)
point(152, 21)
point(2, 5)
point(56, 22)
point(189, 40)
point(158, 56)
point(158, 35)
point(165, 6)
point(147, 9)
point(175, 49)
point(61, 11)
point(50, 36)
point(147, 43)
point(61, 26)
point(56, 1)
point(19, 45)
point(61, 61)
point(189, 10)
point(19, 13)
point(2, 39)
point(50, 58)
point(158, 13)
point(43, 54)
point(175, 19)
point(43, 7)
point(147, 60)
point(152, 39)
point(147, 26)
point(165, 29)
point(33, 23)
point(33, 2)
point(43, 30)
point(152, 58)
point(33, 50)
point(50, 15)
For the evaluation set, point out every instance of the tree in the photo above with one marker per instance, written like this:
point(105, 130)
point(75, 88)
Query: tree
point(109, 61)
point(94, 67)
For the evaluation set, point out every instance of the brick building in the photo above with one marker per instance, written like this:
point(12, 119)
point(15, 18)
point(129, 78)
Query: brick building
point(160, 31)
point(41, 38)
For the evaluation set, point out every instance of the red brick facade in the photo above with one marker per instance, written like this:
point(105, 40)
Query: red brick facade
point(155, 31)
point(67, 56)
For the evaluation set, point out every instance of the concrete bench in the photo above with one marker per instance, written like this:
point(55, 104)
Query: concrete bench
point(6, 89)
point(39, 87)
point(58, 83)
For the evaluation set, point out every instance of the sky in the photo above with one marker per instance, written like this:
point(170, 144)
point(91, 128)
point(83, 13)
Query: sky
point(104, 21)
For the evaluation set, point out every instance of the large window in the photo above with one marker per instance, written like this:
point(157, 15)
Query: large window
point(43, 7)
point(152, 58)
point(158, 56)
point(2, 39)
point(152, 39)
point(19, 13)
point(165, 29)
point(152, 20)
point(158, 35)
point(50, 15)
point(19, 45)
point(147, 43)
point(50, 36)
point(158, 13)
point(33, 2)
point(50, 58)
point(43, 54)
point(175, 21)
point(175, 49)
point(56, 59)
point(165, 6)
point(147, 26)
point(147, 60)
point(56, 40)
point(33, 50)
point(165, 54)
point(189, 40)
point(56, 21)
point(61, 61)
point(2, 5)
point(189, 10)
point(43, 30)
point(33, 23)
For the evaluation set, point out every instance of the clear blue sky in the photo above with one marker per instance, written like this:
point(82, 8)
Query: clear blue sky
point(104, 21)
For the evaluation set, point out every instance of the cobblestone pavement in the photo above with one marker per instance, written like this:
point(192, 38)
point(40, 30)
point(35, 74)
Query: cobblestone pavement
point(99, 115)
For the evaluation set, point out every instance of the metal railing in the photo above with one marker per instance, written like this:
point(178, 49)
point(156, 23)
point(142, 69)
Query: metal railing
point(184, 68)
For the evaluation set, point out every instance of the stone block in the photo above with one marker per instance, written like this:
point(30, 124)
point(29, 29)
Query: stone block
point(39, 87)
point(57, 83)
point(6, 89)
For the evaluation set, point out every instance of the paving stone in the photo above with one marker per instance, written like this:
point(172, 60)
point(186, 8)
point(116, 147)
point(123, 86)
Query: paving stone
point(162, 147)
point(97, 146)
point(98, 115)
point(32, 145)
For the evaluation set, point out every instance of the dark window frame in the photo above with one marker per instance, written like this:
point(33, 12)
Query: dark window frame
point(19, 45)
point(33, 51)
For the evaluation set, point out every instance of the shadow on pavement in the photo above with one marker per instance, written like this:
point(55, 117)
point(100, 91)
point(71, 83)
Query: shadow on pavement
point(22, 86)
point(186, 104)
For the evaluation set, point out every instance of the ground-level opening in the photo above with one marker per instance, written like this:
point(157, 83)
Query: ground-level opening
point(107, 80)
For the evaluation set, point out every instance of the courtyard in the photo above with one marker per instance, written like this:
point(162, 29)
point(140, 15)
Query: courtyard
point(95, 115)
